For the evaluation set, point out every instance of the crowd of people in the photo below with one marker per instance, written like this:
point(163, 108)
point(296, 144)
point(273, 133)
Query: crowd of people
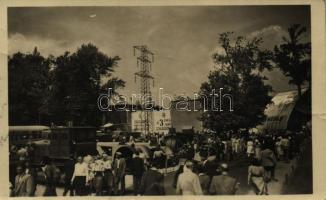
point(90, 175)
point(208, 171)
point(203, 168)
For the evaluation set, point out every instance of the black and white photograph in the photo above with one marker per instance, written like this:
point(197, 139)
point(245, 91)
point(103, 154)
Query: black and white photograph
point(160, 100)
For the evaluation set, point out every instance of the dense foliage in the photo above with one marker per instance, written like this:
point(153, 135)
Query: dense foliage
point(238, 72)
point(60, 89)
point(294, 57)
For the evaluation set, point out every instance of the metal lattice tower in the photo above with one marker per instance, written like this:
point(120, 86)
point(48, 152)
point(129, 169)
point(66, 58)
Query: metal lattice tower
point(144, 62)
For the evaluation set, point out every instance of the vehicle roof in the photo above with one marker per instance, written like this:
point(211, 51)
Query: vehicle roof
point(29, 128)
point(74, 127)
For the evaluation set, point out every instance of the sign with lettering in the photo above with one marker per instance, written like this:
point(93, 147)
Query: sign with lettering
point(162, 121)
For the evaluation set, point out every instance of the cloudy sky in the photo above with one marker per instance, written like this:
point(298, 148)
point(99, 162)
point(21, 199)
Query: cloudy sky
point(182, 38)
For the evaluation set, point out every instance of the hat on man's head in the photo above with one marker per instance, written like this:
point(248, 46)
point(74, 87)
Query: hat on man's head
point(224, 167)
point(182, 161)
point(189, 164)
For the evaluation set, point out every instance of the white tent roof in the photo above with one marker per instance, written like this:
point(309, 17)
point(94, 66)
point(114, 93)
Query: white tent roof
point(279, 111)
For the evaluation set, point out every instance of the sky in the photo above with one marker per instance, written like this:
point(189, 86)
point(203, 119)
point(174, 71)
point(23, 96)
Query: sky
point(183, 38)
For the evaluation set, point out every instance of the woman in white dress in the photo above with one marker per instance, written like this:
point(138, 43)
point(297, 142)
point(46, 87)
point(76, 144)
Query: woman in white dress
point(279, 149)
point(237, 145)
point(257, 149)
point(250, 148)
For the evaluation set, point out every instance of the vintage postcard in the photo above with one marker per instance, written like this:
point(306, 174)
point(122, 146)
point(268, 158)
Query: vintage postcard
point(166, 99)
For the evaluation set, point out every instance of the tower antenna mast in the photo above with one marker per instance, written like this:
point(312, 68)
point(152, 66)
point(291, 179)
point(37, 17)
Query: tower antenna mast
point(145, 58)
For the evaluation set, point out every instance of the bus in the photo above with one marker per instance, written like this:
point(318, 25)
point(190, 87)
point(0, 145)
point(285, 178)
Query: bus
point(23, 135)
point(58, 143)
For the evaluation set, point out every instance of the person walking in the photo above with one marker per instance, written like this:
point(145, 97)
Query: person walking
point(69, 167)
point(188, 182)
point(158, 156)
point(182, 162)
point(204, 180)
point(98, 171)
point(220, 150)
point(79, 177)
point(257, 147)
point(29, 169)
point(256, 177)
point(223, 184)
point(210, 165)
point(229, 150)
point(285, 146)
point(250, 148)
point(237, 145)
point(90, 182)
point(269, 162)
point(108, 176)
point(24, 183)
point(119, 172)
point(138, 169)
point(279, 149)
point(51, 173)
point(152, 182)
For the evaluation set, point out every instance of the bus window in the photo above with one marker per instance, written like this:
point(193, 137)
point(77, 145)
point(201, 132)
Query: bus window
point(107, 150)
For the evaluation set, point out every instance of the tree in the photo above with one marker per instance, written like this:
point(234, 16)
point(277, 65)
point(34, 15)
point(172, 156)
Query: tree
point(238, 74)
point(294, 57)
point(28, 87)
point(77, 81)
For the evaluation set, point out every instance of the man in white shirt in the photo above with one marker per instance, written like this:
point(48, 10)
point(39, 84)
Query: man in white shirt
point(188, 182)
point(80, 176)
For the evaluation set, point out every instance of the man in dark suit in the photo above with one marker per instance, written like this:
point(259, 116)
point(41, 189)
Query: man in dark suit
point(223, 184)
point(69, 167)
point(210, 165)
point(119, 172)
point(204, 180)
point(152, 183)
point(138, 169)
point(51, 173)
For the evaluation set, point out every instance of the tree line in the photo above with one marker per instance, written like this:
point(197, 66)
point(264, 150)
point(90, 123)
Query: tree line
point(239, 72)
point(45, 90)
point(60, 89)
